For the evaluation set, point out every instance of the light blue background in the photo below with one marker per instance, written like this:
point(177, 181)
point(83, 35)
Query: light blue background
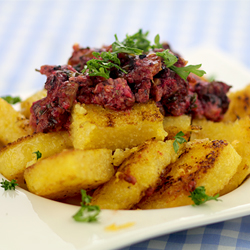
point(33, 33)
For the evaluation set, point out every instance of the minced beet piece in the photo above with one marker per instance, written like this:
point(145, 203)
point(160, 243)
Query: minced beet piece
point(114, 94)
point(144, 69)
point(172, 91)
point(52, 113)
point(211, 98)
point(52, 70)
point(142, 91)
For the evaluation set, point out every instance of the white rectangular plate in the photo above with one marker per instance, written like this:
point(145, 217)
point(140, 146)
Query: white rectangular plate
point(30, 222)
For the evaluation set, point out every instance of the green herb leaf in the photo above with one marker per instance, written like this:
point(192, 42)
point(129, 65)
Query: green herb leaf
point(102, 67)
point(135, 44)
point(157, 42)
point(138, 40)
point(183, 72)
point(11, 100)
point(8, 185)
point(38, 154)
point(169, 58)
point(178, 140)
point(119, 47)
point(87, 213)
point(199, 196)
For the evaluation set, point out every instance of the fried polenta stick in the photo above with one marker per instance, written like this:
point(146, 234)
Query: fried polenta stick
point(138, 174)
point(175, 124)
point(239, 106)
point(16, 156)
point(204, 163)
point(66, 173)
point(96, 127)
point(237, 133)
point(13, 125)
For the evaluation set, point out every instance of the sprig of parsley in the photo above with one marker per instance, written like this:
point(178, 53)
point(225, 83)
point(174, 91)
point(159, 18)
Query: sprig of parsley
point(87, 212)
point(157, 42)
point(8, 185)
point(199, 196)
point(178, 140)
point(11, 100)
point(183, 72)
point(121, 47)
point(136, 44)
point(138, 40)
point(38, 154)
point(102, 67)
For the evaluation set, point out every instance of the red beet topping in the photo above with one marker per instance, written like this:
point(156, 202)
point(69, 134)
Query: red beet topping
point(114, 94)
point(211, 101)
point(52, 113)
point(144, 68)
point(147, 78)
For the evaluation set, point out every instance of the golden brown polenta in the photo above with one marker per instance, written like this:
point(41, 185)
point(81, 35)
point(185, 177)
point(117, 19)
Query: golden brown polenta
point(96, 127)
point(204, 163)
point(174, 124)
point(239, 106)
point(15, 156)
point(13, 125)
point(65, 174)
point(237, 133)
point(138, 174)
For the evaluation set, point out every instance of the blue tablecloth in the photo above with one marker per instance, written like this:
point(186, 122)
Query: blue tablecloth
point(33, 33)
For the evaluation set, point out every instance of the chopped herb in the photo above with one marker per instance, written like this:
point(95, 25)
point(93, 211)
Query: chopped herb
point(157, 42)
point(38, 154)
point(11, 100)
point(87, 213)
point(8, 185)
point(178, 140)
point(138, 40)
point(199, 196)
point(119, 47)
point(169, 58)
point(135, 44)
point(98, 67)
point(183, 72)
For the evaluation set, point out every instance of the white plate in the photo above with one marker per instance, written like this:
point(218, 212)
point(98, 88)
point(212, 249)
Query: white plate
point(30, 222)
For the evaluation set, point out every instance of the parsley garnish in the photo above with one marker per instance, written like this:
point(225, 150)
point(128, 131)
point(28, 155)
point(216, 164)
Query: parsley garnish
point(199, 196)
point(169, 58)
point(87, 213)
point(157, 42)
point(135, 44)
point(38, 154)
point(11, 100)
point(8, 185)
point(178, 140)
point(183, 72)
point(102, 67)
point(138, 40)
point(121, 47)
